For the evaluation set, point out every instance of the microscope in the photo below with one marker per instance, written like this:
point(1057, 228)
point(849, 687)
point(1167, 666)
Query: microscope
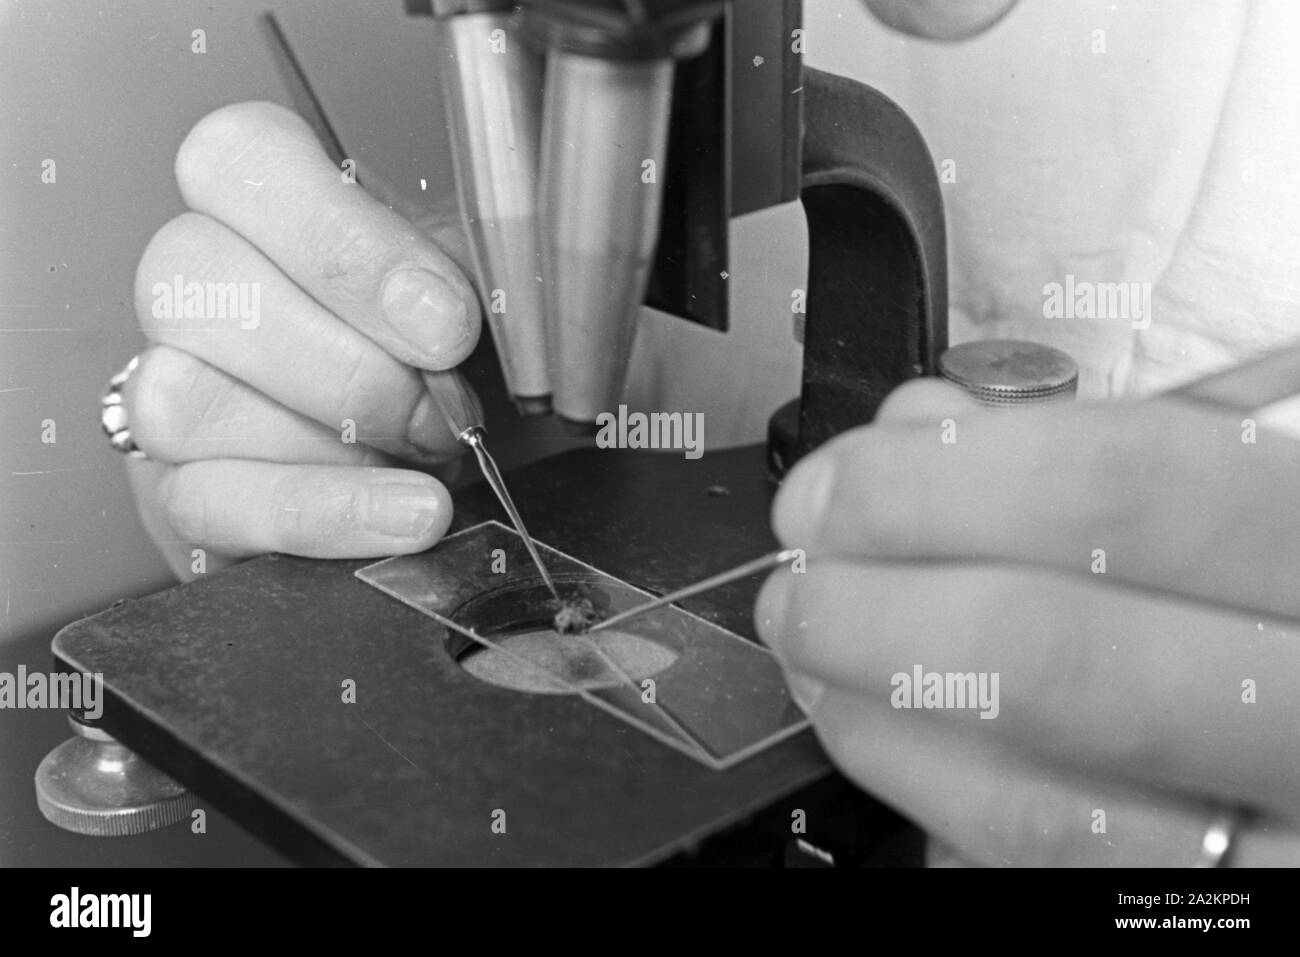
point(601, 148)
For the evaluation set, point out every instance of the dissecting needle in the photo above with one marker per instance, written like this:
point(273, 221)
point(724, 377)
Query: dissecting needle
point(473, 437)
point(1270, 378)
point(464, 417)
point(1247, 387)
point(308, 105)
point(770, 560)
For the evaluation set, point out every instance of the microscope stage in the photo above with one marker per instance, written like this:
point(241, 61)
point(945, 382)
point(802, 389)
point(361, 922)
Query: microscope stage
point(335, 722)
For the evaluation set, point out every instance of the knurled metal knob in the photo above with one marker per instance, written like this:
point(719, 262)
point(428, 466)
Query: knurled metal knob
point(93, 785)
point(1008, 372)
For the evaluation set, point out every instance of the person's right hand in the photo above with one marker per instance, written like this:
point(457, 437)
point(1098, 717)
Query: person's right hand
point(285, 428)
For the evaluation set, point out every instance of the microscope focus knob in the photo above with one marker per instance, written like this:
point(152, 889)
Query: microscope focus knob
point(93, 785)
point(1008, 372)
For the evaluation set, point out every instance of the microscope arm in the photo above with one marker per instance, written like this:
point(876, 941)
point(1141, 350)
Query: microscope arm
point(877, 304)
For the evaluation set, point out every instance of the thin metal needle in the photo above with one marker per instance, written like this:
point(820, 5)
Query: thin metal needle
point(740, 571)
point(309, 107)
point(473, 437)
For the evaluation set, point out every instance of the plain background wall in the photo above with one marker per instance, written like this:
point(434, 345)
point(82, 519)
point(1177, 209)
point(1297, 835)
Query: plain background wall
point(108, 91)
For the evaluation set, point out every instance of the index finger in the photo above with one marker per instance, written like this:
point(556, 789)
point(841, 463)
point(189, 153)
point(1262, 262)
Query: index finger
point(1152, 493)
point(259, 169)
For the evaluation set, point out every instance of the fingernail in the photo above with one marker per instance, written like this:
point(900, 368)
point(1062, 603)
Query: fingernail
point(804, 691)
point(401, 511)
point(426, 312)
point(427, 426)
point(804, 499)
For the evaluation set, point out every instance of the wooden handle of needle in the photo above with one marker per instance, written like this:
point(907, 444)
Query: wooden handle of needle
point(455, 400)
point(1269, 378)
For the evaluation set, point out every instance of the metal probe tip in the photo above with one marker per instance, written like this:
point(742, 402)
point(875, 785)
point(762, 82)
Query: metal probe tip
point(473, 438)
point(770, 560)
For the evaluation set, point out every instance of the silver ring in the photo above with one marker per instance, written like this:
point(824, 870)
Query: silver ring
point(1216, 844)
point(112, 414)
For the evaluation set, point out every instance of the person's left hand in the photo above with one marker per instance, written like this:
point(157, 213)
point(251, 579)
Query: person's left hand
point(1127, 570)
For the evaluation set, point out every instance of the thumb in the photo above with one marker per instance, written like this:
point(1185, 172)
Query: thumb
point(804, 498)
point(926, 400)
